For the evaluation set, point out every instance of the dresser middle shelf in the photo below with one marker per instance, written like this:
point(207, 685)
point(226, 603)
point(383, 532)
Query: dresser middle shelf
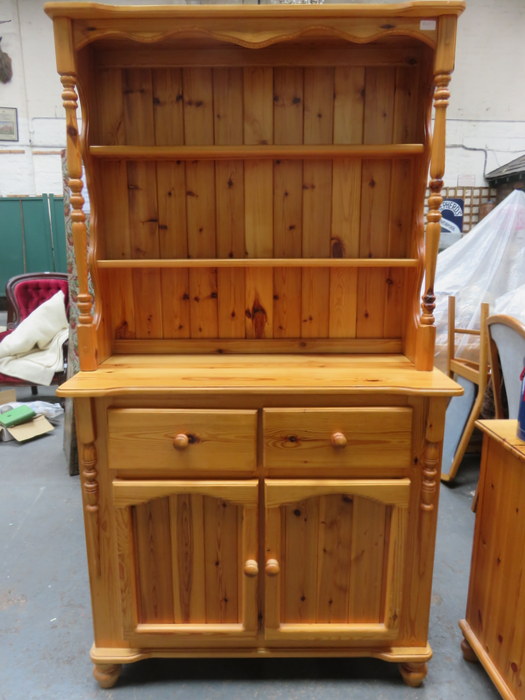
point(255, 262)
point(256, 152)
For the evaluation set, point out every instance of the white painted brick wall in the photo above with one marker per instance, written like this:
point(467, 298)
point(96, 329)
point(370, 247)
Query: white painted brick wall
point(486, 113)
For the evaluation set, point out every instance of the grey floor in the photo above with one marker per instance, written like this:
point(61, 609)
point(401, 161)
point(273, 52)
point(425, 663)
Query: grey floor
point(45, 625)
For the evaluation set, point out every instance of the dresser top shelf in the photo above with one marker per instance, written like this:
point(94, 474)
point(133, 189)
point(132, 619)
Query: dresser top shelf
point(258, 374)
point(415, 8)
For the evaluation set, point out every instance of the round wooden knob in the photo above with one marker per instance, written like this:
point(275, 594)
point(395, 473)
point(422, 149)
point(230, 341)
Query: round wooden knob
point(339, 440)
point(251, 568)
point(181, 441)
point(272, 567)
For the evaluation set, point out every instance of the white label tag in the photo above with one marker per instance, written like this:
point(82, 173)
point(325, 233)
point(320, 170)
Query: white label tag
point(427, 25)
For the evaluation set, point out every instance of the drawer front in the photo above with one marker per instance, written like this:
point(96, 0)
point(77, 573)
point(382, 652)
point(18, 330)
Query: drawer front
point(336, 440)
point(182, 441)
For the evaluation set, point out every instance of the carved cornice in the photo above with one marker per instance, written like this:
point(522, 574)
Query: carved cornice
point(254, 37)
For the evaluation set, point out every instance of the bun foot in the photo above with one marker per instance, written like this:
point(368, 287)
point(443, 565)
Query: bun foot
point(413, 674)
point(106, 675)
point(468, 652)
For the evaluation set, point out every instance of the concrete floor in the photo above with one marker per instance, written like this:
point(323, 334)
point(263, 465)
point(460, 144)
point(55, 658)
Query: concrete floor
point(45, 622)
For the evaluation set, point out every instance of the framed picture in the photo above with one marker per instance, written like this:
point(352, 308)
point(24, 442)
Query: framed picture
point(8, 124)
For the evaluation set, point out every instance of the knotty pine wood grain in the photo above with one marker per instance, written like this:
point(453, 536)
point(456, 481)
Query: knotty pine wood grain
point(258, 175)
point(334, 566)
point(195, 583)
point(288, 197)
point(122, 307)
point(229, 176)
point(175, 285)
point(200, 193)
point(126, 576)
point(142, 197)
point(343, 296)
point(348, 100)
point(359, 374)
point(317, 209)
point(378, 128)
point(346, 199)
point(259, 302)
point(395, 566)
point(250, 520)
point(349, 95)
point(262, 151)
point(187, 526)
point(154, 588)
point(222, 561)
point(492, 627)
point(287, 303)
point(368, 548)
point(230, 201)
point(288, 231)
point(347, 85)
point(143, 439)
point(300, 526)
point(408, 123)
point(313, 529)
point(302, 438)
point(231, 302)
point(344, 55)
point(113, 221)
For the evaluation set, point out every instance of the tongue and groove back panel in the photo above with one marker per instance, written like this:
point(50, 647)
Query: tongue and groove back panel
point(304, 206)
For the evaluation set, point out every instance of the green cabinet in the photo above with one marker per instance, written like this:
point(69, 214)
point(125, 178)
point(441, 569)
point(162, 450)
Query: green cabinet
point(32, 236)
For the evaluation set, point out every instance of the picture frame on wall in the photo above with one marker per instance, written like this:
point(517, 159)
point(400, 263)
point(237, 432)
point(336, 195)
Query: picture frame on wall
point(8, 124)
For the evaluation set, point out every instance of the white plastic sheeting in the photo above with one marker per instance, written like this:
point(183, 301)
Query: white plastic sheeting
point(484, 266)
point(512, 304)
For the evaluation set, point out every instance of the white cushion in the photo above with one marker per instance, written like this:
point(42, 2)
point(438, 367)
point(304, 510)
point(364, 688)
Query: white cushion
point(38, 329)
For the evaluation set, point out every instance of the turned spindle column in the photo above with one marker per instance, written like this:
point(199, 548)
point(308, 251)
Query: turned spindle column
point(85, 328)
point(443, 67)
point(437, 169)
point(87, 457)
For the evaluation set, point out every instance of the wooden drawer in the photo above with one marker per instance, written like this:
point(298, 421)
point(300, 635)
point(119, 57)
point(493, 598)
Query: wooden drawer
point(338, 439)
point(189, 441)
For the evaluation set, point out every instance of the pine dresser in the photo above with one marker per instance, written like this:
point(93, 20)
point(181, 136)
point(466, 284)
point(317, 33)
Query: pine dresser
point(258, 417)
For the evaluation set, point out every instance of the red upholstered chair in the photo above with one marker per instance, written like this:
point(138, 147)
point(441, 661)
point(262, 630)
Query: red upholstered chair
point(24, 293)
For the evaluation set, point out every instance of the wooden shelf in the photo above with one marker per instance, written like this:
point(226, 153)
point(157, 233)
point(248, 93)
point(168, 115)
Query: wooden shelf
point(134, 374)
point(256, 262)
point(262, 152)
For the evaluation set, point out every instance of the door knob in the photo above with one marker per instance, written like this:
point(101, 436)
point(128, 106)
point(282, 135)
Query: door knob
point(251, 568)
point(272, 567)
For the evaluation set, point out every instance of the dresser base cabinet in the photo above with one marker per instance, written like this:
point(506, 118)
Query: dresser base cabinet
point(494, 625)
point(327, 552)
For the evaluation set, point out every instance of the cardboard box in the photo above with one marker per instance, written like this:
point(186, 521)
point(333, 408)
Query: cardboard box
point(33, 428)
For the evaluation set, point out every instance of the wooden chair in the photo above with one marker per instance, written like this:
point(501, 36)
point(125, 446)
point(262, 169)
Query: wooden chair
point(473, 375)
point(24, 293)
point(507, 351)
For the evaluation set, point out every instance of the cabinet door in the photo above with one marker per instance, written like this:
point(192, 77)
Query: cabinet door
point(187, 558)
point(334, 560)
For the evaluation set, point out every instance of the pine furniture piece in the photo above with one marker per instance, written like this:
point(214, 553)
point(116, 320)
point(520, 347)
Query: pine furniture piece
point(473, 375)
point(258, 417)
point(494, 624)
